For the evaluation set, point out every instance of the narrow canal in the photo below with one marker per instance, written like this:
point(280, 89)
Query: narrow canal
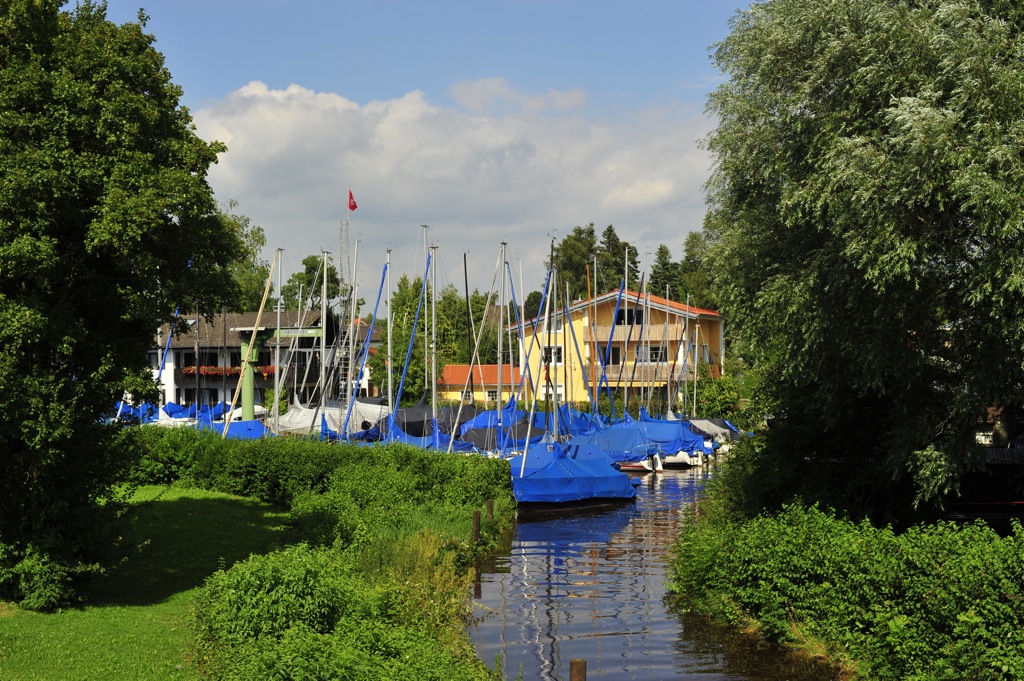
point(593, 587)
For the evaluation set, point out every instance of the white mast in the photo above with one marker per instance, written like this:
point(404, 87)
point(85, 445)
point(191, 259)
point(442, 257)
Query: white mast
point(352, 329)
point(390, 364)
point(501, 333)
point(277, 355)
point(323, 336)
point(433, 332)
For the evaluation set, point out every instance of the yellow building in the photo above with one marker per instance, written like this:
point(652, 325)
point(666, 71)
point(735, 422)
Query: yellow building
point(628, 342)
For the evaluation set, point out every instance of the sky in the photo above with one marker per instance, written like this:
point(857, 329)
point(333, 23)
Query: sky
point(488, 121)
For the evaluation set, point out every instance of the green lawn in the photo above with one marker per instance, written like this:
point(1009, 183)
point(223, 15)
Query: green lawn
point(133, 626)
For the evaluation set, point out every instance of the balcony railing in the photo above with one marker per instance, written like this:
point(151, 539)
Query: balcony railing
point(225, 371)
point(655, 333)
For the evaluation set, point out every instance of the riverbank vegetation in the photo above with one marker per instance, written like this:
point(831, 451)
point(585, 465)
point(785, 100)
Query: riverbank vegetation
point(936, 601)
point(864, 241)
point(360, 565)
point(864, 233)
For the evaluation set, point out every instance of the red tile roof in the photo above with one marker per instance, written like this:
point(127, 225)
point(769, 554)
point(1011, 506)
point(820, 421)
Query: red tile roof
point(483, 374)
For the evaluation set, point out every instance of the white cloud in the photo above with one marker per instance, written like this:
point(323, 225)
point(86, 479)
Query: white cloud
point(493, 95)
point(520, 176)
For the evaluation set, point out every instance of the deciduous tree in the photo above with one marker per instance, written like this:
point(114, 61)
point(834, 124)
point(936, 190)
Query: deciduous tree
point(309, 283)
point(868, 223)
point(107, 224)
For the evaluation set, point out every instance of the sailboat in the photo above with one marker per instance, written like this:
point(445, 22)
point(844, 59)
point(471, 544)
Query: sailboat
point(563, 476)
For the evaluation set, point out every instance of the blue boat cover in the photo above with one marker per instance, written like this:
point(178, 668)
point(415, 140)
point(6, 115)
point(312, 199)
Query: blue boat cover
point(570, 421)
point(489, 419)
point(564, 474)
point(622, 445)
point(671, 436)
point(435, 440)
point(238, 430)
point(144, 413)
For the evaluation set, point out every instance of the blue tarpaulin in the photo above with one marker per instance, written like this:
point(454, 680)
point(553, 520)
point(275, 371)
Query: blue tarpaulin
point(564, 474)
point(237, 430)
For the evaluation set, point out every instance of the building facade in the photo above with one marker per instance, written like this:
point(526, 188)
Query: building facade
point(620, 343)
point(203, 366)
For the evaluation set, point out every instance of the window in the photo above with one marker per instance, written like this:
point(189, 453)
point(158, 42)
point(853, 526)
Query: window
point(629, 317)
point(552, 354)
point(492, 395)
point(559, 393)
point(614, 357)
point(467, 396)
point(651, 355)
point(705, 353)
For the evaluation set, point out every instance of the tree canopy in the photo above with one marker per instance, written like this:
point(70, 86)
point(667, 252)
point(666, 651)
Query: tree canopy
point(866, 230)
point(574, 258)
point(250, 270)
point(107, 224)
point(309, 283)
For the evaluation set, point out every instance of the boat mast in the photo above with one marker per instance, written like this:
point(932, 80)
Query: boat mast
point(664, 356)
point(501, 334)
point(686, 354)
point(426, 333)
point(277, 355)
point(197, 361)
point(433, 333)
point(323, 336)
point(352, 328)
point(390, 363)
point(469, 326)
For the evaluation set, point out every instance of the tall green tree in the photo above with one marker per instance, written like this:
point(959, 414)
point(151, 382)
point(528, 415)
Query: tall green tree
point(666, 275)
point(309, 283)
point(405, 326)
point(616, 259)
point(572, 256)
point(250, 270)
point(107, 224)
point(698, 280)
point(867, 226)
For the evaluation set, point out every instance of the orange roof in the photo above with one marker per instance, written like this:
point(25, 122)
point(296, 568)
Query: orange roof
point(630, 298)
point(483, 374)
point(660, 300)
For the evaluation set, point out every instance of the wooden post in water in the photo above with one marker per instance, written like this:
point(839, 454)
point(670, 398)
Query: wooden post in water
point(476, 527)
point(490, 509)
point(577, 669)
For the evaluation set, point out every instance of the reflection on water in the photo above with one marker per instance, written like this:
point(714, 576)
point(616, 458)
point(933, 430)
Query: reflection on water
point(593, 587)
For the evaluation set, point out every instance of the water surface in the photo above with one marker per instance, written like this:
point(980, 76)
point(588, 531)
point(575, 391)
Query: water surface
point(593, 587)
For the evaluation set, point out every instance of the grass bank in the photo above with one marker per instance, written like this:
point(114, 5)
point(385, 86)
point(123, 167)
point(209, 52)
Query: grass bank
point(280, 559)
point(938, 601)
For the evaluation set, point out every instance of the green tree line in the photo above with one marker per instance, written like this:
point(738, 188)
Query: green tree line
point(865, 241)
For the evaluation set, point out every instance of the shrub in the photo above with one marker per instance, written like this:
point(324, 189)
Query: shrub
point(305, 613)
point(937, 601)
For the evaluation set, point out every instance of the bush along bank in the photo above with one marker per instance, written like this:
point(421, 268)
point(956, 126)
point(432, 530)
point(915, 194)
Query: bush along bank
point(376, 581)
point(938, 601)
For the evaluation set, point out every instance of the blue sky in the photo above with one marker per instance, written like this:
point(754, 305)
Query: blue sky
point(490, 121)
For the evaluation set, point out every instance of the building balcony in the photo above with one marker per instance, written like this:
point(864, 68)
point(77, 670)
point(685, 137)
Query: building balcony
point(654, 334)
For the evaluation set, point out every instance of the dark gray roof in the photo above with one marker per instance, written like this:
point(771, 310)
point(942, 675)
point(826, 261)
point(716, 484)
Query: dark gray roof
point(217, 331)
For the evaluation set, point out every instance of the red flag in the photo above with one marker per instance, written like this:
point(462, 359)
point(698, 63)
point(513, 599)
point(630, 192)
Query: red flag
point(351, 201)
